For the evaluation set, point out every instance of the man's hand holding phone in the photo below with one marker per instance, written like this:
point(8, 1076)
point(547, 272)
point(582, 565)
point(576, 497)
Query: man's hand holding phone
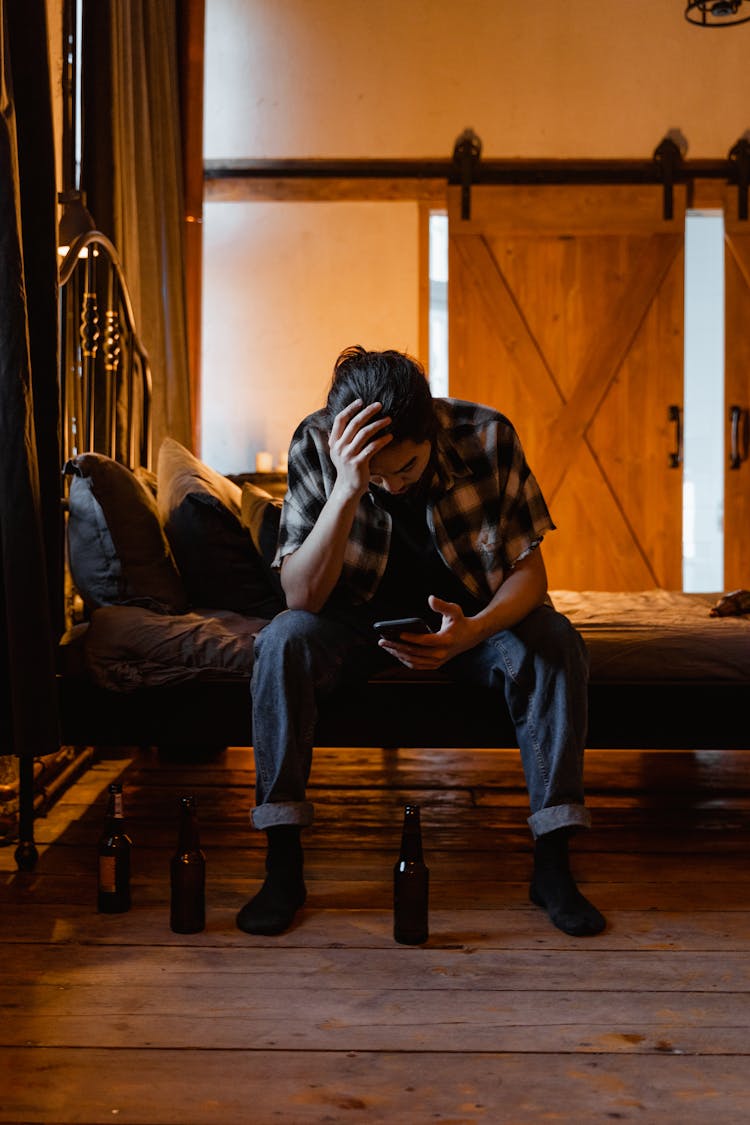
point(416, 645)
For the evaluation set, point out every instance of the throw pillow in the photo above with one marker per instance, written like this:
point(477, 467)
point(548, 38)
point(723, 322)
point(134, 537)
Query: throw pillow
point(260, 513)
point(201, 512)
point(117, 551)
point(733, 604)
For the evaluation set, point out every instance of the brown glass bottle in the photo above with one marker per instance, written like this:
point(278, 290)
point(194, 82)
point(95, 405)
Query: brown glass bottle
point(187, 912)
point(114, 858)
point(411, 879)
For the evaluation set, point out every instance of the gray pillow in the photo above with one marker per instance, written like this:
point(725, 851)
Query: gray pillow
point(201, 512)
point(117, 550)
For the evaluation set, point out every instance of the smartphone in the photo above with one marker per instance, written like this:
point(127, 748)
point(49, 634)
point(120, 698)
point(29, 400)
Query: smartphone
point(393, 629)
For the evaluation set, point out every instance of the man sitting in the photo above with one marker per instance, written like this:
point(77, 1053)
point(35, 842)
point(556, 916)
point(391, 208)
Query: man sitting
point(399, 504)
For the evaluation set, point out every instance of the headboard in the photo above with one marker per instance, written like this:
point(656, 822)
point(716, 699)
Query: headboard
point(104, 375)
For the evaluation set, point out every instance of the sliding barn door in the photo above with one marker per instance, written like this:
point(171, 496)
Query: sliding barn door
point(565, 312)
point(737, 399)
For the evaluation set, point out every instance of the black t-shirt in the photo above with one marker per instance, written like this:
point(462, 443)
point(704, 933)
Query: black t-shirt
point(415, 568)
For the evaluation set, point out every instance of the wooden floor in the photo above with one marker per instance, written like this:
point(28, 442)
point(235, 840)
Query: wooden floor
point(500, 1018)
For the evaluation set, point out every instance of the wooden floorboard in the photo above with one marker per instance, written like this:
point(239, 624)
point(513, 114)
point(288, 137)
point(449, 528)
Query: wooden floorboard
point(500, 1018)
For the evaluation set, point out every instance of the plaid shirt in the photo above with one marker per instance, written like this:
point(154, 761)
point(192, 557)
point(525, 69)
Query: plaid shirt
point(484, 508)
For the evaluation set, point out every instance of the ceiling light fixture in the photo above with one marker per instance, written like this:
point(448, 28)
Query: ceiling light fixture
point(717, 13)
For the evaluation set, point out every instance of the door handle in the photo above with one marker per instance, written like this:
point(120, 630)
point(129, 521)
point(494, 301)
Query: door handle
point(675, 458)
point(739, 436)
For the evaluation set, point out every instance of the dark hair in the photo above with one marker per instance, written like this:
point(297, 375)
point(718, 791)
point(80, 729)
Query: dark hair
point(396, 380)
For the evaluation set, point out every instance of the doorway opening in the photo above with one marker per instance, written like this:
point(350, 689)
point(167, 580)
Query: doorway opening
point(438, 311)
point(703, 465)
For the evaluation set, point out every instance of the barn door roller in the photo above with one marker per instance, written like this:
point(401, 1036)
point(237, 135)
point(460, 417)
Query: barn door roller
point(668, 158)
point(466, 153)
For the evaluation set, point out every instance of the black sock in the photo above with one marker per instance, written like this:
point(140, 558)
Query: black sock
point(272, 909)
point(554, 888)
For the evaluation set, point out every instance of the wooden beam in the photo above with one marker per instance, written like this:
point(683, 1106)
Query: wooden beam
point(306, 189)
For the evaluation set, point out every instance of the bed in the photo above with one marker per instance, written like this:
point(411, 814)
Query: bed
point(663, 674)
point(167, 581)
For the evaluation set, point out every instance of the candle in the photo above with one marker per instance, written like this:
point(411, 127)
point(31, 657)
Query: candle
point(283, 462)
point(263, 462)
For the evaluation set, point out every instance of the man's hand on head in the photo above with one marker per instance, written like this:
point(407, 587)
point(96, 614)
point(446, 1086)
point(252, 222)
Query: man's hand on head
point(354, 440)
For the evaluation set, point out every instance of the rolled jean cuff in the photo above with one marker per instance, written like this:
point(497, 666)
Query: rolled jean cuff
point(559, 816)
point(282, 812)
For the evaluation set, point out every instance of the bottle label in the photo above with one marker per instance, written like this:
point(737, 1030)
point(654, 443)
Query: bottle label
point(107, 874)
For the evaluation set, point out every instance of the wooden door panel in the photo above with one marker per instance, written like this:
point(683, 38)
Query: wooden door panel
point(563, 329)
point(632, 437)
point(592, 533)
point(568, 209)
point(737, 393)
point(607, 349)
point(493, 356)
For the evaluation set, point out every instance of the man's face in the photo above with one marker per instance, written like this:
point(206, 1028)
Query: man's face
point(400, 465)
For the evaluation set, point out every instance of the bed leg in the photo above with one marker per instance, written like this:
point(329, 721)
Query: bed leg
point(26, 853)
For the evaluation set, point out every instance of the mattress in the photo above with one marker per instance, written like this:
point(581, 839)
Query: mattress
point(640, 637)
point(656, 634)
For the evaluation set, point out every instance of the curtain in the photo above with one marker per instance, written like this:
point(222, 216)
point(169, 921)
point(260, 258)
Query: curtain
point(29, 426)
point(132, 176)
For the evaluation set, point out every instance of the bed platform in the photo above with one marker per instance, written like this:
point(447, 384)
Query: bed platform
point(664, 674)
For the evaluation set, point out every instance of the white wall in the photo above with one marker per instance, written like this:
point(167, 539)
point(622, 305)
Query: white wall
point(588, 78)
point(287, 286)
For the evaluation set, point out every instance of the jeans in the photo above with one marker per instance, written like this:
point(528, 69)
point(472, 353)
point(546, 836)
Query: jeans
point(539, 669)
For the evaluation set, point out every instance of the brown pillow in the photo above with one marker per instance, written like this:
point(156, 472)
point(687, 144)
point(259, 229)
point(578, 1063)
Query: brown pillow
point(260, 513)
point(201, 512)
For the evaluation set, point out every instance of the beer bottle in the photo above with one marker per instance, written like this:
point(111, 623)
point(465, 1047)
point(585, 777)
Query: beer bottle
point(187, 913)
point(114, 858)
point(410, 884)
